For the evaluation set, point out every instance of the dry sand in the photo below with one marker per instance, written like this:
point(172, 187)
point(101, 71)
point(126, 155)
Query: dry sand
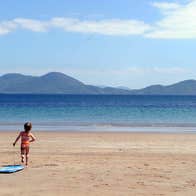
point(102, 164)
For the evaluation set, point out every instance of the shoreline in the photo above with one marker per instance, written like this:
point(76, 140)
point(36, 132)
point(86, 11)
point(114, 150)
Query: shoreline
point(100, 132)
point(101, 129)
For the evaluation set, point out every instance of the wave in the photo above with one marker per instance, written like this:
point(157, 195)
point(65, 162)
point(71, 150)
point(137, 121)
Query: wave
point(101, 127)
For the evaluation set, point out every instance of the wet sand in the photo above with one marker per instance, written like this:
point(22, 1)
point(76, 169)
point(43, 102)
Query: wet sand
point(102, 164)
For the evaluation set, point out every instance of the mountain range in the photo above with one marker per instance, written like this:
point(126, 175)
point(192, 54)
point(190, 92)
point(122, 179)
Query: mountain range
point(59, 83)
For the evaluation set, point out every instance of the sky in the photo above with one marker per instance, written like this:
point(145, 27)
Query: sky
point(132, 43)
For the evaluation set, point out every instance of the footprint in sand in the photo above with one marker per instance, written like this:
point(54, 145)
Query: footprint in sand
point(45, 165)
point(140, 183)
point(51, 165)
point(96, 185)
point(37, 166)
point(191, 183)
point(54, 174)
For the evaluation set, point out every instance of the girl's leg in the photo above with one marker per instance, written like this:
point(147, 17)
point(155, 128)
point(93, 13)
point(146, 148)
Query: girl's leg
point(22, 154)
point(27, 155)
point(22, 158)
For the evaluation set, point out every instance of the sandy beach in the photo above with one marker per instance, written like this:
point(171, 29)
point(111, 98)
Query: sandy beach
point(108, 164)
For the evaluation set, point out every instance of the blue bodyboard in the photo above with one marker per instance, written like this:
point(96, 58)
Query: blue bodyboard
point(11, 168)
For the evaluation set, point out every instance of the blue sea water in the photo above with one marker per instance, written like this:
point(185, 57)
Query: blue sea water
point(63, 112)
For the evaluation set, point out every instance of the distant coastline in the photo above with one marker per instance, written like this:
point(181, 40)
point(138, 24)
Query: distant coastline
point(59, 83)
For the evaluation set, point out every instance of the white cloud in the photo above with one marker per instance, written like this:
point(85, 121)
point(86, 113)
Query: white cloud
point(157, 70)
point(165, 6)
point(179, 21)
point(6, 27)
point(11, 25)
point(33, 25)
point(170, 70)
point(105, 27)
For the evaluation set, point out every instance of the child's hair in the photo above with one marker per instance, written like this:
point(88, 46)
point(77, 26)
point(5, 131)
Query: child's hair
point(27, 126)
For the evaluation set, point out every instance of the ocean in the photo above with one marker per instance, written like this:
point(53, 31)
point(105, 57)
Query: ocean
point(98, 112)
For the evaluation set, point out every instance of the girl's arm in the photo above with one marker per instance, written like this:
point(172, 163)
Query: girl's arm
point(17, 139)
point(32, 138)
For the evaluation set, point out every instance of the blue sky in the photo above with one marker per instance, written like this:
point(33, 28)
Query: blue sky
point(102, 42)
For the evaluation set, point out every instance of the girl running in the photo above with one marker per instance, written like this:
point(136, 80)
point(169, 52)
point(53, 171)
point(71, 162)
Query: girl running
point(26, 138)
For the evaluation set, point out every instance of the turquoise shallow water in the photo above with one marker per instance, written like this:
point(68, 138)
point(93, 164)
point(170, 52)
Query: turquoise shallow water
point(63, 112)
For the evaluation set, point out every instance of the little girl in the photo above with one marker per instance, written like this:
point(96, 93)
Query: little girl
point(26, 138)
